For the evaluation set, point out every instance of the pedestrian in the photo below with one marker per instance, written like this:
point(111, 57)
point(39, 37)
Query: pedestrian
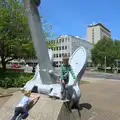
point(21, 110)
point(65, 68)
point(33, 70)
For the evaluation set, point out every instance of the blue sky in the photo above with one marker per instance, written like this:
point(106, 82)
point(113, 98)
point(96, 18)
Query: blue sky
point(72, 16)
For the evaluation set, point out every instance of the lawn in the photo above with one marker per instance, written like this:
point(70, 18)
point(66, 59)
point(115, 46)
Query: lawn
point(83, 82)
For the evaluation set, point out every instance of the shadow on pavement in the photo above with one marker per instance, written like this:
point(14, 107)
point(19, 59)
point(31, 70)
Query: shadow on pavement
point(85, 105)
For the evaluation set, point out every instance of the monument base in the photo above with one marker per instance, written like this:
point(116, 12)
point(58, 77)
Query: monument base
point(45, 109)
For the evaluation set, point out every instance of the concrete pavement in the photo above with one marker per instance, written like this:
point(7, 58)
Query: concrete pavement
point(100, 96)
point(104, 97)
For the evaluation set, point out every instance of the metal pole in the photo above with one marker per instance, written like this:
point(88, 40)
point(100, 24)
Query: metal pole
point(105, 64)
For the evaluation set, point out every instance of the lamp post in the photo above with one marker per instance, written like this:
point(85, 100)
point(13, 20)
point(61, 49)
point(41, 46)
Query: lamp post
point(105, 64)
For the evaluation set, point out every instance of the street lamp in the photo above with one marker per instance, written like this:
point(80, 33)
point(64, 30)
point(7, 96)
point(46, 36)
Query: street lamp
point(105, 64)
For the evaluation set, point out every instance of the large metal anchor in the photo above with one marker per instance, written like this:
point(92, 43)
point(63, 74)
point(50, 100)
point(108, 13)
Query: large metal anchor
point(44, 77)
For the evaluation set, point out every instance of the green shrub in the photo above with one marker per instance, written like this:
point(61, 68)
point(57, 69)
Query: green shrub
point(14, 79)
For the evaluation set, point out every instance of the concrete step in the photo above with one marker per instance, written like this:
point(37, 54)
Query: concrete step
point(45, 109)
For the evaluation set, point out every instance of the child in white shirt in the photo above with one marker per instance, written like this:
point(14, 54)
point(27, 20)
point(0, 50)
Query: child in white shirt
point(21, 108)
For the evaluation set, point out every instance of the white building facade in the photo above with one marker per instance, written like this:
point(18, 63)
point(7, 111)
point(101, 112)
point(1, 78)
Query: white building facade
point(67, 44)
point(96, 32)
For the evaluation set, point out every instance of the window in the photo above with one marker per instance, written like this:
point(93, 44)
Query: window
point(68, 39)
point(62, 54)
point(69, 54)
point(105, 32)
point(59, 40)
point(65, 47)
point(62, 40)
point(54, 55)
point(57, 48)
point(62, 47)
point(66, 54)
point(59, 55)
point(65, 39)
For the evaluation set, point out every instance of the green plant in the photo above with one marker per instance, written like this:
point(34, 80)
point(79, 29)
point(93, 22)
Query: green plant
point(14, 79)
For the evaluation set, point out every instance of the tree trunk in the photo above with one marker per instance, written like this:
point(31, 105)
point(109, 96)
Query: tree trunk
point(3, 65)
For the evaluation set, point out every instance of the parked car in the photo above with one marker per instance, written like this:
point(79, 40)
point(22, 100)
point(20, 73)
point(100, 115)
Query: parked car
point(15, 66)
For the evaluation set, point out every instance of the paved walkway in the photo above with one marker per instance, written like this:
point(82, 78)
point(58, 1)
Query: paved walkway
point(104, 97)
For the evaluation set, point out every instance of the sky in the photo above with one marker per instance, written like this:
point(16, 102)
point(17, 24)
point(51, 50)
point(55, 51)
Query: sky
point(72, 16)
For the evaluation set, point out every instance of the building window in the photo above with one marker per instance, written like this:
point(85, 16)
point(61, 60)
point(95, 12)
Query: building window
point(65, 47)
point(56, 48)
point(65, 39)
point(62, 47)
point(59, 55)
point(62, 40)
point(105, 32)
point(62, 54)
point(59, 40)
point(69, 54)
point(66, 54)
point(54, 55)
point(68, 39)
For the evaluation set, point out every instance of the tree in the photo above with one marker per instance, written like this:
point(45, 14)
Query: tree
point(104, 48)
point(15, 38)
point(14, 31)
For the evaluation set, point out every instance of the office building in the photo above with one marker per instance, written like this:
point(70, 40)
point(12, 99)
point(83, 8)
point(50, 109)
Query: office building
point(67, 44)
point(96, 32)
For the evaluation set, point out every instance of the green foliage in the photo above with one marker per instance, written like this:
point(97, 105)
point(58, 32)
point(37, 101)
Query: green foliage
point(14, 79)
point(15, 38)
point(14, 31)
point(106, 48)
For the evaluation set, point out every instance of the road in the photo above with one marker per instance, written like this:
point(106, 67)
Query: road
point(101, 75)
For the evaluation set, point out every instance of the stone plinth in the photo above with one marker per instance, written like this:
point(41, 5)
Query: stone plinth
point(45, 109)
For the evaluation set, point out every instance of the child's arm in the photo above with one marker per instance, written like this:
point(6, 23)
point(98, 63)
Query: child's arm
point(34, 96)
point(72, 73)
point(61, 73)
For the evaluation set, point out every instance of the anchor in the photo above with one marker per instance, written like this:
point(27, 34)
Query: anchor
point(45, 77)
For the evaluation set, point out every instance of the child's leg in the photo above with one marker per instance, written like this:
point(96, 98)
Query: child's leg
point(16, 113)
point(62, 90)
point(24, 114)
point(66, 88)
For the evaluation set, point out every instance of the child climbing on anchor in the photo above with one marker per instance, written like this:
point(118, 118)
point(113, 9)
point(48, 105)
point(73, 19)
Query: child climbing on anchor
point(21, 110)
point(65, 68)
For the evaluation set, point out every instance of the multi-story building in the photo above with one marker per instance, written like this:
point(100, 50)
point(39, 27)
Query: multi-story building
point(67, 44)
point(96, 32)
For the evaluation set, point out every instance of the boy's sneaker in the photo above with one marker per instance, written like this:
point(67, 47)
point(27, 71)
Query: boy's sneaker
point(64, 99)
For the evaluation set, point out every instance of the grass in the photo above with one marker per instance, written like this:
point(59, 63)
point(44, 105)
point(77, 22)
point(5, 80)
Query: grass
point(83, 82)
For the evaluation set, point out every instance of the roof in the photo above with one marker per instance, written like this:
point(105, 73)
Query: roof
point(99, 24)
